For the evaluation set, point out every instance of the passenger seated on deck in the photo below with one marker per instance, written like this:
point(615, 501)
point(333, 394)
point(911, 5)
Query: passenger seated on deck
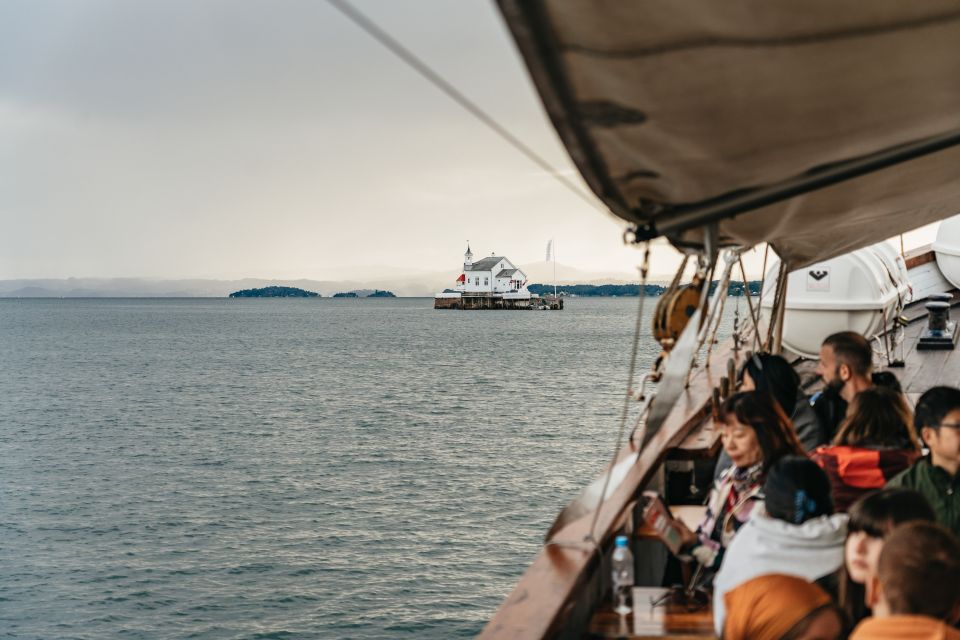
point(872, 518)
point(755, 434)
point(845, 366)
point(886, 379)
point(875, 443)
point(795, 533)
point(937, 476)
point(915, 591)
point(779, 607)
point(774, 375)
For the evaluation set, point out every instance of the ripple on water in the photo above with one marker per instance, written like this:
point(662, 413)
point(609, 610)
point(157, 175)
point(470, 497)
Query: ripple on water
point(274, 469)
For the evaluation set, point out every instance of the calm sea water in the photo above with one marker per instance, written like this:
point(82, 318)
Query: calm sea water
point(290, 468)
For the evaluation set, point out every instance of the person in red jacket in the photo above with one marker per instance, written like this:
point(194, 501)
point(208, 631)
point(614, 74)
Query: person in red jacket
point(875, 442)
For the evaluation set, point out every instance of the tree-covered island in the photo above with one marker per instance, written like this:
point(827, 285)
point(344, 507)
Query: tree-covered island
point(275, 292)
point(610, 290)
point(365, 293)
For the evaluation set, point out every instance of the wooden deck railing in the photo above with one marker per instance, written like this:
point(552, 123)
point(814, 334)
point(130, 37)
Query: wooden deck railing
point(543, 601)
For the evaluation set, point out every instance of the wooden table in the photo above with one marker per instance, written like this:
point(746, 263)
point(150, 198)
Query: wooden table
point(665, 620)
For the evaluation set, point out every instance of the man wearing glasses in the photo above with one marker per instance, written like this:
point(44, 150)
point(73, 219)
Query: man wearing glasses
point(937, 476)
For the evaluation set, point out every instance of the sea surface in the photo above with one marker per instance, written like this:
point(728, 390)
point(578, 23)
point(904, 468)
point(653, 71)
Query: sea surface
point(216, 468)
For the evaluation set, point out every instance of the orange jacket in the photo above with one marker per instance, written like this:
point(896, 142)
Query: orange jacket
point(904, 628)
point(854, 471)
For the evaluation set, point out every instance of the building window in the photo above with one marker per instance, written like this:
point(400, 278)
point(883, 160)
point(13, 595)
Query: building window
point(486, 281)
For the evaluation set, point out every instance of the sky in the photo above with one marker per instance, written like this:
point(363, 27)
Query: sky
point(241, 138)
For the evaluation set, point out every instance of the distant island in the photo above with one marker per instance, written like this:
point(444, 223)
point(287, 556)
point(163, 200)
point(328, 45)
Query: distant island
point(275, 292)
point(365, 293)
point(611, 290)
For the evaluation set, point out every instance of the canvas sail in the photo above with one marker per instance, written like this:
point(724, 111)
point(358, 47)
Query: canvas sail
point(669, 106)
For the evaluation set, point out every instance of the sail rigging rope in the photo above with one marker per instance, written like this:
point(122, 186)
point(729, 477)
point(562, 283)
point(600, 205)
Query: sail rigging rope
point(763, 284)
point(628, 396)
point(407, 56)
point(713, 336)
point(777, 310)
point(754, 316)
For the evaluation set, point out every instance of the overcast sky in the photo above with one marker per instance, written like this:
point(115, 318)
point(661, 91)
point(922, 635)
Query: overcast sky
point(233, 138)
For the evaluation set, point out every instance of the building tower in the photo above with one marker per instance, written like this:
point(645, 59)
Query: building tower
point(467, 259)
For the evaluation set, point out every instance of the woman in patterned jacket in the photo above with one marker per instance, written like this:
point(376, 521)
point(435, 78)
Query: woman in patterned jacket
point(755, 433)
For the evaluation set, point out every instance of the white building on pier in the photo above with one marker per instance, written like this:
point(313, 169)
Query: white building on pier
point(493, 275)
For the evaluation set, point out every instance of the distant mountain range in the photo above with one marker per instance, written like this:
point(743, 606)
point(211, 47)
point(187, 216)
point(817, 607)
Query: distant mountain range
point(421, 284)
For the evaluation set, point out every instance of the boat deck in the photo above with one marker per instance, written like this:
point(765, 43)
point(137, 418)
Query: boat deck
point(922, 369)
point(562, 593)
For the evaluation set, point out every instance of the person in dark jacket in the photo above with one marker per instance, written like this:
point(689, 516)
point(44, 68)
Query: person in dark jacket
point(875, 443)
point(937, 476)
point(772, 374)
point(845, 366)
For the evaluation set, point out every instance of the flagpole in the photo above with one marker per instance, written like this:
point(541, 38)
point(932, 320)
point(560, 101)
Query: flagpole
point(555, 301)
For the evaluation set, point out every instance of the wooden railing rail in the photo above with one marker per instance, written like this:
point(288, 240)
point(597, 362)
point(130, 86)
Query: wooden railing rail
point(541, 601)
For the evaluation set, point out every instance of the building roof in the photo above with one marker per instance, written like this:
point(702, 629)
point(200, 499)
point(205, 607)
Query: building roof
point(506, 273)
point(487, 264)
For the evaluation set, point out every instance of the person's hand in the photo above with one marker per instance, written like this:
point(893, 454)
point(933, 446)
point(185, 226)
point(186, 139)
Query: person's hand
point(688, 537)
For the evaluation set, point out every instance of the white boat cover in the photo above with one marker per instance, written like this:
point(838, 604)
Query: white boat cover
point(671, 103)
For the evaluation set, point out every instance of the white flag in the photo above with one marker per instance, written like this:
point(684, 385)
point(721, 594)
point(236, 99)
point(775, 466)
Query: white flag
point(549, 250)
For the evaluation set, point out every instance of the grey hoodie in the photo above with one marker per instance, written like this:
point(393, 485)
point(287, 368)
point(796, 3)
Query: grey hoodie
point(766, 545)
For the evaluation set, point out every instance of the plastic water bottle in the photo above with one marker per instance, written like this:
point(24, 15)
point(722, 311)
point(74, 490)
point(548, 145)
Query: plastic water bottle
point(622, 562)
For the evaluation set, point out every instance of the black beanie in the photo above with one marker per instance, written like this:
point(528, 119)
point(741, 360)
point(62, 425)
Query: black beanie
point(796, 490)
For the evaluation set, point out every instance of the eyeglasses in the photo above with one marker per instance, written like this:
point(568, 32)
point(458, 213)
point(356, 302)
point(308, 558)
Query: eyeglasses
point(950, 425)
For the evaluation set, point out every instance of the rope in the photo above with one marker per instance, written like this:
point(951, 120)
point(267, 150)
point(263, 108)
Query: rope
point(706, 316)
point(716, 328)
point(628, 396)
point(407, 56)
point(763, 284)
point(777, 310)
point(723, 288)
point(754, 315)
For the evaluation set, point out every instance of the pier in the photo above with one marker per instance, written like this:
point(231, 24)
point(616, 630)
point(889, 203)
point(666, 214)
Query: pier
point(496, 301)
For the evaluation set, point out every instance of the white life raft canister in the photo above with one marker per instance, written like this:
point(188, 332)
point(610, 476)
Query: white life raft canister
point(859, 291)
point(947, 249)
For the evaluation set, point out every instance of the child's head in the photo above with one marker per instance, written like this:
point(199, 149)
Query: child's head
point(796, 490)
point(937, 419)
point(871, 519)
point(918, 573)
